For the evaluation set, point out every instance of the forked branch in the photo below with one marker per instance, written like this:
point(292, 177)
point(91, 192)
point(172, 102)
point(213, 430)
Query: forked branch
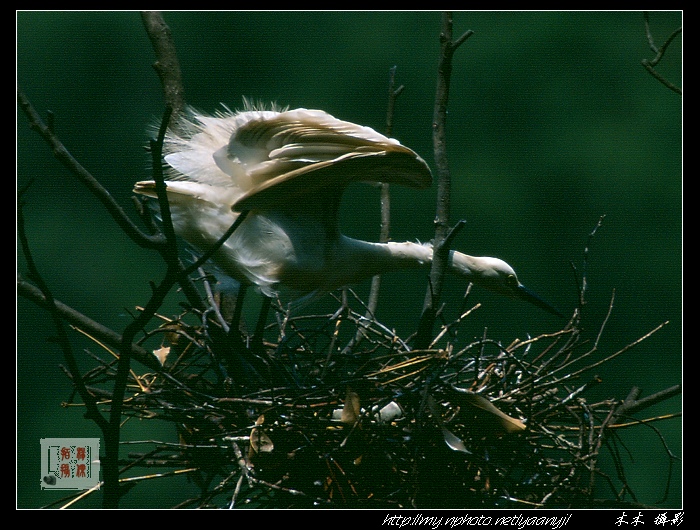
point(442, 212)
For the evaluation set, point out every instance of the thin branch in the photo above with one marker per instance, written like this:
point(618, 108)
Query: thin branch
point(85, 324)
point(65, 158)
point(650, 65)
point(629, 406)
point(216, 246)
point(584, 280)
point(156, 241)
point(442, 216)
point(384, 199)
point(62, 340)
point(632, 406)
point(167, 65)
point(111, 470)
point(156, 148)
point(661, 78)
point(169, 251)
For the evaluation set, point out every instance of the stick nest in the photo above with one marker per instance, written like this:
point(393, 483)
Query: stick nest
point(336, 410)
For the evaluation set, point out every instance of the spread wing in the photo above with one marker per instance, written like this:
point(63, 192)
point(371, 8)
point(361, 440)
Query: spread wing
point(301, 151)
point(266, 158)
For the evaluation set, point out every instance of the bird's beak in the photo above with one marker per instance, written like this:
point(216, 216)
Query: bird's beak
point(523, 293)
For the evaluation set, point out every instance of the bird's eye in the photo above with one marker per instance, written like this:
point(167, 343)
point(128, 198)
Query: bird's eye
point(512, 281)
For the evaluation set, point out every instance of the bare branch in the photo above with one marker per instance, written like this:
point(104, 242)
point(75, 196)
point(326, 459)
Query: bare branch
point(442, 216)
point(83, 323)
point(64, 157)
point(167, 65)
point(62, 340)
point(632, 406)
point(650, 65)
point(385, 196)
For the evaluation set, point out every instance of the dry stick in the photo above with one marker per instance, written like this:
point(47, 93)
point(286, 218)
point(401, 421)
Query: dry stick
point(589, 367)
point(83, 175)
point(584, 279)
point(62, 340)
point(98, 332)
point(650, 65)
point(171, 254)
point(85, 324)
point(213, 307)
point(630, 405)
point(111, 460)
point(442, 215)
point(385, 201)
point(168, 69)
point(443, 234)
point(167, 65)
point(385, 197)
point(157, 242)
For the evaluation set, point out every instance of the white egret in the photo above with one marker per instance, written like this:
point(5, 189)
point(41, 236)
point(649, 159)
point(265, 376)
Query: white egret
point(289, 169)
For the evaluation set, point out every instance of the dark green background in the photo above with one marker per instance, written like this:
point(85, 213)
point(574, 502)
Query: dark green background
point(552, 123)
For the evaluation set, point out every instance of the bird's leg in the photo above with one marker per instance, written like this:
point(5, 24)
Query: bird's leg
point(235, 334)
point(340, 315)
point(257, 343)
point(242, 368)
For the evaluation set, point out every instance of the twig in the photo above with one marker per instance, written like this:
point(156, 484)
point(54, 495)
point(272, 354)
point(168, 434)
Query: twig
point(167, 65)
point(64, 157)
point(62, 339)
point(169, 252)
point(582, 284)
point(156, 241)
point(442, 214)
point(385, 203)
point(574, 374)
point(651, 65)
point(213, 306)
point(216, 246)
point(632, 406)
point(385, 197)
point(80, 321)
point(156, 149)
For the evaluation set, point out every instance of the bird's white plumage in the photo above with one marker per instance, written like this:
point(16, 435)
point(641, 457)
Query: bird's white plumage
point(269, 158)
point(289, 169)
point(245, 149)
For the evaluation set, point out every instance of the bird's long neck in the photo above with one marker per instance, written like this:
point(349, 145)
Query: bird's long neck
point(465, 265)
point(368, 259)
point(363, 259)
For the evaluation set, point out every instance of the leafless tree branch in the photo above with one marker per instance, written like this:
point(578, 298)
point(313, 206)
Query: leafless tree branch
point(442, 216)
point(83, 175)
point(650, 65)
point(167, 64)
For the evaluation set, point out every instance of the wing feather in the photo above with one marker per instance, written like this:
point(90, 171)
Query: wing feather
point(263, 157)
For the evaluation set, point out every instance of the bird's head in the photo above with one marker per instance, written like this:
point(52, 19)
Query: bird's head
point(497, 276)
